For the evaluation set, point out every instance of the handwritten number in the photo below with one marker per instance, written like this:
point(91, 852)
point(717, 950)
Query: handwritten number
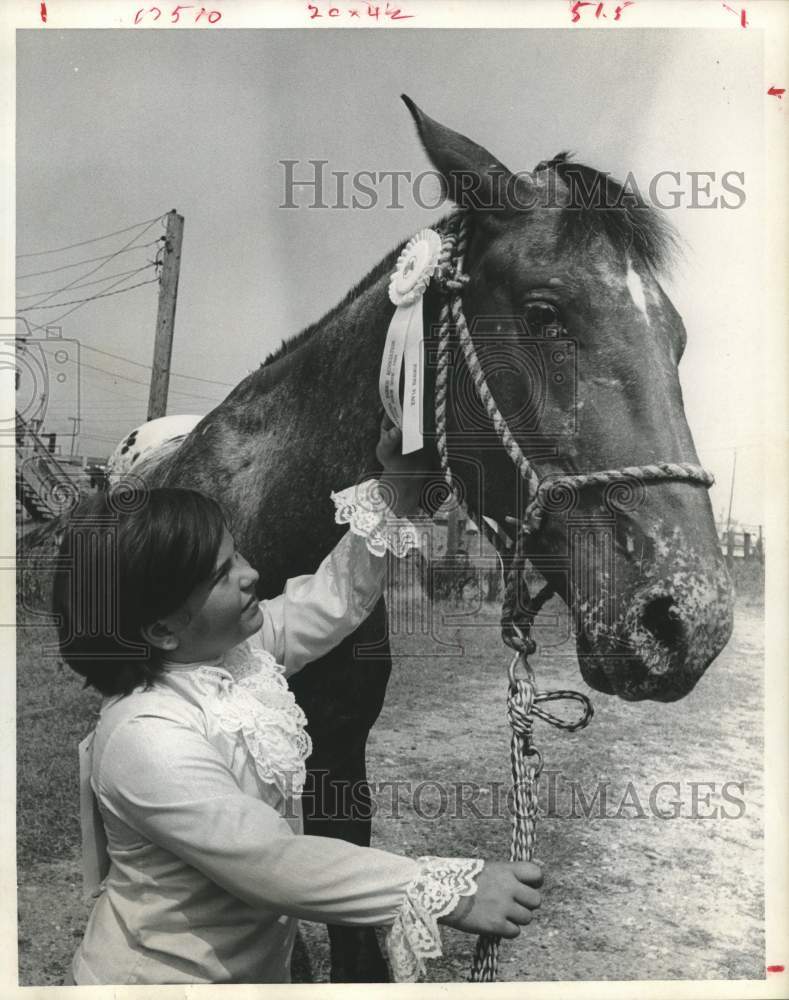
point(575, 9)
point(396, 14)
point(176, 14)
point(154, 13)
point(372, 10)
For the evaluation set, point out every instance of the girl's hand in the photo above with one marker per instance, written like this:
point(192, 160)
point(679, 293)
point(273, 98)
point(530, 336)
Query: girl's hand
point(504, 900)
point(404, 476)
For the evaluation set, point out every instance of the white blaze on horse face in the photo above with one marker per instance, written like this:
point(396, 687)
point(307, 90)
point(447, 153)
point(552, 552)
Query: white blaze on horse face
point(636, 289)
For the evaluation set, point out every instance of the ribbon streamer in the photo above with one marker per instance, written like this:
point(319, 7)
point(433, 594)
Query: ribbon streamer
point(405, 336)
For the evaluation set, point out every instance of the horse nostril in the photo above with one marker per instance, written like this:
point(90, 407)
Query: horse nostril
point(661, 618)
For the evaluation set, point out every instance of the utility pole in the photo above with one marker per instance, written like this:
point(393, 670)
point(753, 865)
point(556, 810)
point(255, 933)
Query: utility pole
point(74, 433)
point(165, 319)
point(731, 494)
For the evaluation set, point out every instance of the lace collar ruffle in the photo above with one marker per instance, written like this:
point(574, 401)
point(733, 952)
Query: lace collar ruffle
point(247, 693)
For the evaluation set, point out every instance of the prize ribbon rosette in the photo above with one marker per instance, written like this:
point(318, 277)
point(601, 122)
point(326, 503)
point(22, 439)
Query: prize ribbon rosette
point(403, 349)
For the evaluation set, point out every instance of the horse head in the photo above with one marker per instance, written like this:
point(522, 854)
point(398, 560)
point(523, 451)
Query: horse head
point(580, 348)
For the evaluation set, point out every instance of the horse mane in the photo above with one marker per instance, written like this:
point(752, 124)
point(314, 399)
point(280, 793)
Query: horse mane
point(604, 207)
point(617, 213)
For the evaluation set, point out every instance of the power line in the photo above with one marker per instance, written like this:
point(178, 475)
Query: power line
point(92, 298)
point(97, 386)
point(89, 260)
point(90, 401)
point(194, 395)
point(82, 284)
point(79, 282)
point(95, 239)
point(105, 388)
point(125, 423)
point(198, 378)
point(193, 378)
point(68, 312)
point(104, 371)
point(98, 437)
point(100, 384)
point(126, 378)
point(84, 364)
point(127, 245)
point(139, 364)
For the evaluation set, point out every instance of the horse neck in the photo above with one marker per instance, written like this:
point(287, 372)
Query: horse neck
point(328, 385)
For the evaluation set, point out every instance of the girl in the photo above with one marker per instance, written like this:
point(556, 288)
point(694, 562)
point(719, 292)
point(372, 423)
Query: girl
point(196, 765)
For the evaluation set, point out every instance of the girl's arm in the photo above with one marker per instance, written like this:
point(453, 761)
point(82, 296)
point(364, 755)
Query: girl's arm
point(167, 781)
point(317, 611)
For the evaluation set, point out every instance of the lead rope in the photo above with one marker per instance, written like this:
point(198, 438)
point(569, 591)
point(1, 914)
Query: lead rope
point(523, 698)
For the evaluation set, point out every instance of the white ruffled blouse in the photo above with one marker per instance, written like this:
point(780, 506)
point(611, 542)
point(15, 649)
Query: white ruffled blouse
point(191, 803)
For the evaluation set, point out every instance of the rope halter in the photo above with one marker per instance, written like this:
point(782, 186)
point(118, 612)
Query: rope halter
point(524, 701)
point(517, 616)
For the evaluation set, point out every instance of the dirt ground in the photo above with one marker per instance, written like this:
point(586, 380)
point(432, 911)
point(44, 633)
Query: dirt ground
point(629, 893)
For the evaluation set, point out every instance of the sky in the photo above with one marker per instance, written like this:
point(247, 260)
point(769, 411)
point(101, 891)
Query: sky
point(115, 128)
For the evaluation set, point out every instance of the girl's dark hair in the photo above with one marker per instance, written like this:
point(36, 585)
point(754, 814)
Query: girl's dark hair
point(128, 558)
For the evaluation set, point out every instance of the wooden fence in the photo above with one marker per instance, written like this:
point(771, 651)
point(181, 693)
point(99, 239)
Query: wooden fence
point(743, 542)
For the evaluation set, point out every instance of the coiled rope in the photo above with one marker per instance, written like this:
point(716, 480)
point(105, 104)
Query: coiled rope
point(524, 701)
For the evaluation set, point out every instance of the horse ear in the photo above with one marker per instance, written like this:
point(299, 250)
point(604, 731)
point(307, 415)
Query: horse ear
point(471, 176)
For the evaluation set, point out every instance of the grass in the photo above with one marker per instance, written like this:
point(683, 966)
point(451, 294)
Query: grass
point(748, 580)
point(53, 714)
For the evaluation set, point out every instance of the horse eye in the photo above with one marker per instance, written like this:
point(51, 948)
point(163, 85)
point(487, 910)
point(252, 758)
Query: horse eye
point(540, 315)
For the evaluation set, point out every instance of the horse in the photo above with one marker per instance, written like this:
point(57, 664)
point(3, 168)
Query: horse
point(579, 346)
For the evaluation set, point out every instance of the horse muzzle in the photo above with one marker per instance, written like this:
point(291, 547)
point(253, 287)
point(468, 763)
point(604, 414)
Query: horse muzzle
point(662, 642)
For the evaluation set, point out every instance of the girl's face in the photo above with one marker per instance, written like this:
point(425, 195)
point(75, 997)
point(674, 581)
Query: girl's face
point(219, 613)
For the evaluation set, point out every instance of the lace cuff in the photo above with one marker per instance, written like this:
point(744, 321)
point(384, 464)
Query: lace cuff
point(433, 893)
point(365, 509)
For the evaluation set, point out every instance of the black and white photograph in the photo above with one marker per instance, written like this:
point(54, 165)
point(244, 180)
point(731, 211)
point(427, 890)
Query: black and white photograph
point(400, 496)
